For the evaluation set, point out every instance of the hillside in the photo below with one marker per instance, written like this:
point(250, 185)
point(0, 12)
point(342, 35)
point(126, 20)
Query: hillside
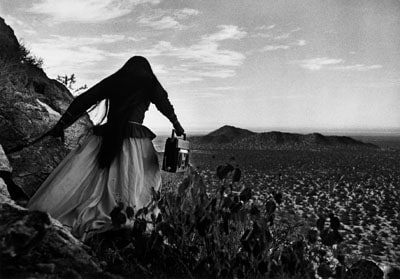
point(229, 137)
point(225, 134)
point(31, 103)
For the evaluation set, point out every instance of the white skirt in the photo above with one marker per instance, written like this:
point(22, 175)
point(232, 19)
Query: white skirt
point(81, 195)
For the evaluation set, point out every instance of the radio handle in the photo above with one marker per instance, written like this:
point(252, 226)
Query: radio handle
point(174, 132)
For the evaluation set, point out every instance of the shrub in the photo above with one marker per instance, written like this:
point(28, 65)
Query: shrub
point(69, 81)
point(217, 235)
point(26, 57)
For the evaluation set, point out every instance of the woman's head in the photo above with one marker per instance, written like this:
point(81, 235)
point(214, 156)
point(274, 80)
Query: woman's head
point(137, 66)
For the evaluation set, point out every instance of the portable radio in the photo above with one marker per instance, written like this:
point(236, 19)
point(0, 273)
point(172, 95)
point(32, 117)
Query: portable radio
point(176, 154)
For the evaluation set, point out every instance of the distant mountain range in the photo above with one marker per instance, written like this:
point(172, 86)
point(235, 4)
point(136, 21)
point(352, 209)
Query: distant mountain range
point(229, 137)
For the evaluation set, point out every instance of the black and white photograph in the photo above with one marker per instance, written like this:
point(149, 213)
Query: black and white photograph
point(200, 139)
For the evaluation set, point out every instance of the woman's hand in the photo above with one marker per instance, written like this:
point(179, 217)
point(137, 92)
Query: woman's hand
point(178, 128)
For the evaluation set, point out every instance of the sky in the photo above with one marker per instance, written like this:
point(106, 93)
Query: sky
point(289, 65)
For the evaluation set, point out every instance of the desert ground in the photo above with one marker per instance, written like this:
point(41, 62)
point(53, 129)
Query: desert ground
point(362, 187)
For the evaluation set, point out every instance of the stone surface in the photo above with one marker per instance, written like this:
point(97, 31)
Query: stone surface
point(33, 245)
point(363, 269)
point(31, 103)
point(4, 162)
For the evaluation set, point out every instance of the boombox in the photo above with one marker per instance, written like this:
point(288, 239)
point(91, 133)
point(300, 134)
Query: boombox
point(176, 154)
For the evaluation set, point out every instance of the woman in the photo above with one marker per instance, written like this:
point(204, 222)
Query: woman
point(117, 163)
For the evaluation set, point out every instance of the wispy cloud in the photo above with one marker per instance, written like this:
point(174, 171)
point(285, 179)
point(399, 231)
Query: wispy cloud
point(319, 63)
point(67, 54)
point(207, 50)
point(72, 42)
point(282, 36)
point(86, 10)
point(357, 67)
point(263, 31)
point(168, 19)
point(275, 47)
point(286, 35)
point(165, 22)
point(19, 24)
point(203, 59)
point(300, 43)
point(266, 27)
point(226, 32)
point(273, 33)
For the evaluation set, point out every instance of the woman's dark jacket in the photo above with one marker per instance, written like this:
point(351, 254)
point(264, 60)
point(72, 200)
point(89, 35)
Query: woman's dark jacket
point(128, 102)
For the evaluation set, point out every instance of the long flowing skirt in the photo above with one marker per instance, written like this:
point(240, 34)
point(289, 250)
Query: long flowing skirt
point(81, 195)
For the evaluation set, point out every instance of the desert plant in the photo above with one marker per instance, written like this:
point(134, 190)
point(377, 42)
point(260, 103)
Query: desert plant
point(26, 57)
point(69, 81)
point(221, 234)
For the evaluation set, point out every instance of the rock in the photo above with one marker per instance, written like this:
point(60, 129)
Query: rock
point(46, 267)
point(392, 272)
point(70, 274)
point(31, 103)
point(3, 189)
point(8, 187)
point(4, 162)
point(364, 269)
point(33, 244)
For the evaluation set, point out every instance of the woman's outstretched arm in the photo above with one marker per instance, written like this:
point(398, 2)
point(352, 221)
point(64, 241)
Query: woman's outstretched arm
point(82, 103)
point(160, 99)
point(78, 107)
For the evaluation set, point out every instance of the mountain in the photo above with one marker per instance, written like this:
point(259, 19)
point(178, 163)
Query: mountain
point(223, 135)
point(228, 137)
point(30, 105)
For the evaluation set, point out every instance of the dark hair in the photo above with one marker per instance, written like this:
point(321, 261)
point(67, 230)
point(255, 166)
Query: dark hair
point(133, 83)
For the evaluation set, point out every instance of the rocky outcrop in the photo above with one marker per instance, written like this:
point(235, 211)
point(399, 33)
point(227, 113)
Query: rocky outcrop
point(33, 245)
point(30, 105)
point(6, 181)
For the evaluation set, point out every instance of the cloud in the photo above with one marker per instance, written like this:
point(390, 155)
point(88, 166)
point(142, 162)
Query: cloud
point(207, 50)
point(283, 47)
point(168, 19)
point(226, 32)
point(263, 31)
point(275, 47)
point(282, 36)
point(203, 52)
point(185, 12)
point(19, 25)
point(357, 67)
point(135, 39)
point(200, 60)
point(319, 63)
point(79, 55)
point(300, 43)
point(86, 10)
point(73, 42)
point(165, 22)
point(266, 27)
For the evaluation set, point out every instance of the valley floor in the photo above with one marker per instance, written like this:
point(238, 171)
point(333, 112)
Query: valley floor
point(361, 187)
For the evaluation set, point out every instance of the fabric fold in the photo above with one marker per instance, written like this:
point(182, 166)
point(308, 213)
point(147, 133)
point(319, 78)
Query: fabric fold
point(81, 195)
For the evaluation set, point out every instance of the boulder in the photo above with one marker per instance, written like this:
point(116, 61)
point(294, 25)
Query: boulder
point(33, 245)
point(31, 104)
point(12, 190)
